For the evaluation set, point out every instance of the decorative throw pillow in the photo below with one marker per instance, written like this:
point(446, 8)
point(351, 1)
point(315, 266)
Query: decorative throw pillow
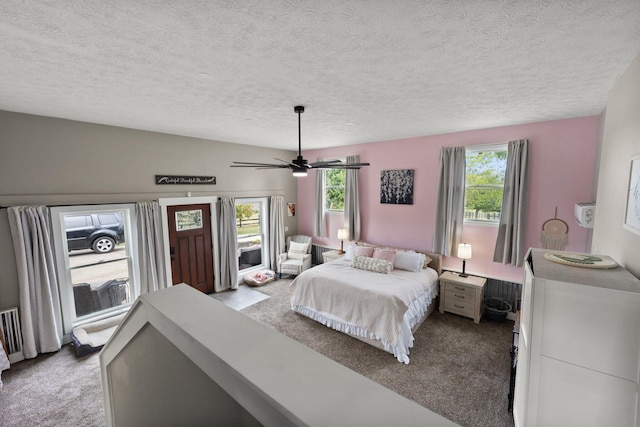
point(297, 250)
point(410, 261)
point(385, 253)
point(371, 264)
point(364, 251)
point(349, 252)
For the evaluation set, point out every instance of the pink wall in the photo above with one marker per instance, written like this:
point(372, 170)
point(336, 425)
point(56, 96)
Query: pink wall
point(562, 156)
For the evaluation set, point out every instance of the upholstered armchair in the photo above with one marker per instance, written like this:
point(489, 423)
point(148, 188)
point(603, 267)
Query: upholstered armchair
point(298, 256)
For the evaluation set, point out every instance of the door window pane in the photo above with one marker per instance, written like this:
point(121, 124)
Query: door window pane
point(188, 220)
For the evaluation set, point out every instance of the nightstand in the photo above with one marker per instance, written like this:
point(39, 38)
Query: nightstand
point(331, 255)
point(462, 295)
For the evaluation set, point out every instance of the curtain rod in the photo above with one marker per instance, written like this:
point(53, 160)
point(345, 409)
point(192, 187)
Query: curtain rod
point(75, 204)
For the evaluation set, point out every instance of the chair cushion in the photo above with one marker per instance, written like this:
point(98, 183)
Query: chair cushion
point(297, 250)
point(292, 266)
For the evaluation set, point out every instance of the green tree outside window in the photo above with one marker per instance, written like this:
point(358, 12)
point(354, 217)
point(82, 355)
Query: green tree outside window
point(484, 184)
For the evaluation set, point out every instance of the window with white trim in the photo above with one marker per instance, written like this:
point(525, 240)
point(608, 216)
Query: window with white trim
point(333, 181)
point(252, 228)
point(484, 183)
point(96, 259)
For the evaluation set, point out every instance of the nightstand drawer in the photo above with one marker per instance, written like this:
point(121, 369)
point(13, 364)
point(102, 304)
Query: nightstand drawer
point(460, 289)
point(461, 307)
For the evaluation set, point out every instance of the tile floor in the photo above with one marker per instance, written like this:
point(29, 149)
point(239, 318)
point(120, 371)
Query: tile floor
point(240, 298)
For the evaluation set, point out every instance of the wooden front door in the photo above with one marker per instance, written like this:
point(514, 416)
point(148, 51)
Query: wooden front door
point(190, 246)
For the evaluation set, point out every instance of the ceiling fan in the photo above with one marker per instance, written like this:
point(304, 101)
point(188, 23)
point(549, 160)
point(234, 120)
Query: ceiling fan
point(299, 165)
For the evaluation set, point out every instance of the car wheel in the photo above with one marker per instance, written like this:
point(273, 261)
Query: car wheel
point(102, 245)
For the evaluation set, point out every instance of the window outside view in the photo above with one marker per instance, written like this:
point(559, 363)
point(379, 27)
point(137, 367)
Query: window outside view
point(334, 180)
point(98, 261)
point(250, 234)
point(484, 185)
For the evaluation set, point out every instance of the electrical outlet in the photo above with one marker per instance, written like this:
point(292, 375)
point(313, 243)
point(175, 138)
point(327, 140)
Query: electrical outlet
point(286, 229)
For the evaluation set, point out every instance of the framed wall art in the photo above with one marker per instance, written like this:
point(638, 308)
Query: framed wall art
point(632, 213)
point(396, 187)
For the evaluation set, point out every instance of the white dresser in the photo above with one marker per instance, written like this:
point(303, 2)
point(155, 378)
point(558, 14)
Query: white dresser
point(579, 349)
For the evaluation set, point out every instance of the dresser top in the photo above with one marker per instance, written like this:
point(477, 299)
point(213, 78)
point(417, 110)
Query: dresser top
point(610, 278)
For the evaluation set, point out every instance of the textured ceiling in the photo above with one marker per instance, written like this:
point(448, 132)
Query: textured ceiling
point(232, 70)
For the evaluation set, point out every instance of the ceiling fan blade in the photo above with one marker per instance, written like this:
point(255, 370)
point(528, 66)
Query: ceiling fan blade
point(328, 162)
point(254, 165)
point(341, 166)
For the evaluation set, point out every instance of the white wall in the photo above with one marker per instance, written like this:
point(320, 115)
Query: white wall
point(56, 162)
point(620, 141)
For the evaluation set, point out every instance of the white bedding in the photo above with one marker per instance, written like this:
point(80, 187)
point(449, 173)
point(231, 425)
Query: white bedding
point(370, 305)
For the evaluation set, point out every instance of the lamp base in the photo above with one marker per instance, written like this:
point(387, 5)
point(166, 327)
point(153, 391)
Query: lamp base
point(464, 262)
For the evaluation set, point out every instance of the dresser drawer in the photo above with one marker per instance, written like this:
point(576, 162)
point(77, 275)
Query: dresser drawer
point(459, 289)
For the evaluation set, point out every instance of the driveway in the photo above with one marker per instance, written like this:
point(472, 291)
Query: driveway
point(95, 269)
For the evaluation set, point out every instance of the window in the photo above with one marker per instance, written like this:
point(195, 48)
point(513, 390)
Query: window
point(96, 260)
point(484, 183)
point(333, 189)
point(252, 227)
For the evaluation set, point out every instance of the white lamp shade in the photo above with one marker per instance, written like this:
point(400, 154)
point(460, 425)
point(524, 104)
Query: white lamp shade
point(464, 251)
point(343, 234)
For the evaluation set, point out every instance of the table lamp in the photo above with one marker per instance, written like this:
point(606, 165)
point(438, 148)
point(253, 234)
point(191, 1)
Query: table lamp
point(343, 235)
point(464, 252)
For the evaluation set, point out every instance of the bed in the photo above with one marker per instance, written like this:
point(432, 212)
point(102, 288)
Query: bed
point(382, 306)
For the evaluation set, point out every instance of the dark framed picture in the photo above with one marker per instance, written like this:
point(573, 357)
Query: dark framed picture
point(396, 187)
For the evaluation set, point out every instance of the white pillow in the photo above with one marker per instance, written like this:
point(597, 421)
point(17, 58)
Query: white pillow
point(371, 264)
point(297, 250)
point(410, 261)
point(349, 253)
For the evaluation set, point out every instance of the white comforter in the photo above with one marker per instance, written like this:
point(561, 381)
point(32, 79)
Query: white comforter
point(367, 304)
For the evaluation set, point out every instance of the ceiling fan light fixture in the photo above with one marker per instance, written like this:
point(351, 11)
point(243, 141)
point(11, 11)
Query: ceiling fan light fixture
point(298, 172)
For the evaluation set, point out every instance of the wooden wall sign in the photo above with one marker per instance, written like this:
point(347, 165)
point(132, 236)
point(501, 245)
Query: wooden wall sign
point(184, 179)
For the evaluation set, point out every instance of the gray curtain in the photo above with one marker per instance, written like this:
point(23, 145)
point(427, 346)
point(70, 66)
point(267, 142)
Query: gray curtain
point(450, 201)
point(276, 230)
point(228, 240)
point(40, 314)
point(319, 227)
point(352, 201)
point(150, 247)
point(512, 228)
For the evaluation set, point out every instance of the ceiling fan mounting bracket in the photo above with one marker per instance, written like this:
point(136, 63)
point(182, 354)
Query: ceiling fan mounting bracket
point(298, 109)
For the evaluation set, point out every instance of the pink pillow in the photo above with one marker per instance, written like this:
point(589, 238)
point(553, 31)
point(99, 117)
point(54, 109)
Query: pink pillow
point(386, 254)
point(364, 251)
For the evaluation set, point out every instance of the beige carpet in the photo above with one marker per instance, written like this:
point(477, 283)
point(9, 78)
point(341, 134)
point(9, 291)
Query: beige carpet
point(458, 369)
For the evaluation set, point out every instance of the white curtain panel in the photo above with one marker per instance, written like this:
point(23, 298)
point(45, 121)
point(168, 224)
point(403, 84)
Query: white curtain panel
point(319, 227)
point(450, 201)
point(228, 240)
point(513, 218)
point(40, 313)
point(352, 200)
point(276, 229)
point(150, 247)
